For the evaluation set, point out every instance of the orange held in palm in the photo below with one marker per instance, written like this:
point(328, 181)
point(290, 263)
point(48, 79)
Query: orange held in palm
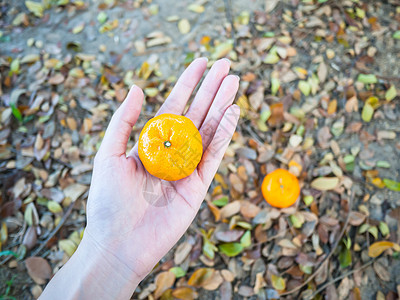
point(280, 188)
point(170, 147)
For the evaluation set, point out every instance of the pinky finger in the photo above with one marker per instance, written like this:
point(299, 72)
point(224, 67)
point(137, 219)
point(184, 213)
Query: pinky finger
point(215, 151)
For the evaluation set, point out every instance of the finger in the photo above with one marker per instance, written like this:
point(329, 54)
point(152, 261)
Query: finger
point(184, 87)
point(120, 127)
point(207, 91)
point(224, 98)
point(213, 155)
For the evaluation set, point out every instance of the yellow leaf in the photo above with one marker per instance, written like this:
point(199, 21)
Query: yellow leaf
point(54, 207)
point(325, 183)
point(184, 26)
point(67, 246)
point(200, 277)
point(35, 8)
point(222, 50)
point(378, 248)
point(197, 8)
point(3, 233)
point(278, 283)
point(78, 28)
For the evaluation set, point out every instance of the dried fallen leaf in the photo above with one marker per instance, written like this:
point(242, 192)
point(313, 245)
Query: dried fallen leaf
point(325, 183)
point(35, 7)
point(200, 277)
point(163, 281)
point(184, 26)
point(38, 269)
point(378, 248)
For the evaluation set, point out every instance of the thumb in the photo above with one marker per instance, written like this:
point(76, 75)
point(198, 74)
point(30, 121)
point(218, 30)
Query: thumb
point(120, 127)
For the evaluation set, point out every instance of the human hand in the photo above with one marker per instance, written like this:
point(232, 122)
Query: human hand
point(133, 218)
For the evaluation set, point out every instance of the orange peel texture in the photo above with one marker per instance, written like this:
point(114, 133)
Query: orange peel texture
point(280, 188)
point(170, 147)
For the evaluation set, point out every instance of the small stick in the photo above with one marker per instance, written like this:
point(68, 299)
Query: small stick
point(326, 259)
point(340, 277)
point(55, 230)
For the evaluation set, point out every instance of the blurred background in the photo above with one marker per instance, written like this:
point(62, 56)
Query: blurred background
point(319, 96)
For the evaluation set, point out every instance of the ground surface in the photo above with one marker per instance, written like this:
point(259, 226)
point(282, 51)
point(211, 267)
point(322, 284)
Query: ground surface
point(305, 108)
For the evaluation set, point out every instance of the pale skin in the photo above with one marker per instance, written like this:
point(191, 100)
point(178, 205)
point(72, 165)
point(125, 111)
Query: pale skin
point(132, 221)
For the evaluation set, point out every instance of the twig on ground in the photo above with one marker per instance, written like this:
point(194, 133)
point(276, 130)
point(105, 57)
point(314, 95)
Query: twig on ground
point(55, 230)
point(228, 12)
point(327, 258)
point(340, 277)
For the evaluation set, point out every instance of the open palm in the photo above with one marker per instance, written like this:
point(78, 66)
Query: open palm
point(136, 217)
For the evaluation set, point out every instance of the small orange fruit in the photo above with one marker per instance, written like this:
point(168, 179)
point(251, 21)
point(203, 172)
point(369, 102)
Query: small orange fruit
point(280, 188)
point(170, 147)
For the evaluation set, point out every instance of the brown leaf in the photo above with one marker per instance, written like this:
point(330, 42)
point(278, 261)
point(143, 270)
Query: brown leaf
point(236, 183)
point(38, 269)
point(248, 209)
point(56, 79)
point(184, 293)
point(230, 209)
point(30, 237)
point(226, 291)
point(228, 236)
point(356, 218)
point(214, 282)
point(182, 251)
point(200, 277)
point(163, 281)
point(381, 271)
point(276, 117)
point(74, 191)
point(322, 72)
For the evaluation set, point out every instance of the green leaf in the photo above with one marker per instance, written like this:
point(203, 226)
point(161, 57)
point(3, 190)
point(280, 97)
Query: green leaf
point(367, 112)
point(392, 185)
point(209, 249)
point(345, 257)
point(222, 201)
point(391, 93)
point(178, 272)
point(306, 269)
point(374, 231)
point(231, 249)
point(245, 240)
point(304, 87)
point(308, 200)
point(14, 66)
point(62, 2)
point(54, 207)
point(222, 50)
point(15, 111)
point(383, 164)
point(102, 17)
point(396, 35)
point(296, 222)
point(272, 57)
point(384, 228)
point(367, 78)
point(278, 282)
point(275, 84)
point(35, 7)
point(347, 242)
point(363, 228)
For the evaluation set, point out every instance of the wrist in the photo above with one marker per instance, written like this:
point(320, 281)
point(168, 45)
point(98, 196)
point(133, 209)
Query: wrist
point(113, 277)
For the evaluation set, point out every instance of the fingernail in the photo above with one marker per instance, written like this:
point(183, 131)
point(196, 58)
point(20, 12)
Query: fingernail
point(237, 76)
point(204, 57)
point(229, 62)
point(236, 108)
